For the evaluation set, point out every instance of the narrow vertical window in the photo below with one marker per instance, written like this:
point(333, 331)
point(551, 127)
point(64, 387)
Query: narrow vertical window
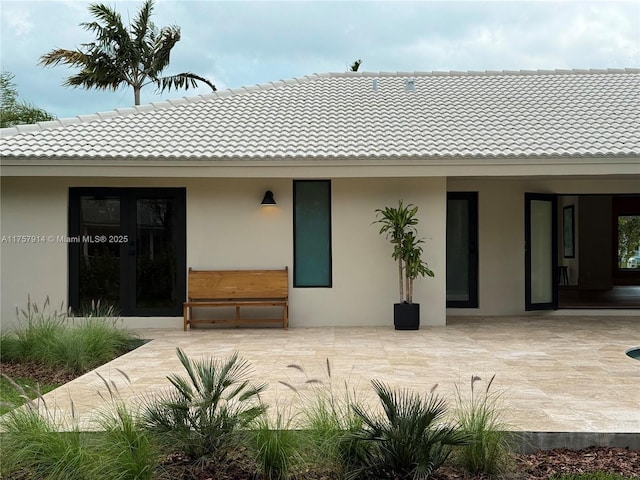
point(312, 233)
point(462, 249)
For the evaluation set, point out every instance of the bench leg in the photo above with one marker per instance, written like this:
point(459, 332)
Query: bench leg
point(285, 319)
point(185, 311)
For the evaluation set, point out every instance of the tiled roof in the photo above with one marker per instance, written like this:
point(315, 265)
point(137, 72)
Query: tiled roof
point(342, 115)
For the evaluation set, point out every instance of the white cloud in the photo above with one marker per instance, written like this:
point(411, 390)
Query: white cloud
point(18, 20)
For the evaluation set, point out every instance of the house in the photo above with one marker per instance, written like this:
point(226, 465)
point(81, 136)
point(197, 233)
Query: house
point(518, 176)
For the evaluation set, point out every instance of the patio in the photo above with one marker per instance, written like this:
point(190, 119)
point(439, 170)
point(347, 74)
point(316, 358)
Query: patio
point(558, 374)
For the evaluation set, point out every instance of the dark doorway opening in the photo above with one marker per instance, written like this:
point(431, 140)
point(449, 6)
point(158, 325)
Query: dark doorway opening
point(604, 270)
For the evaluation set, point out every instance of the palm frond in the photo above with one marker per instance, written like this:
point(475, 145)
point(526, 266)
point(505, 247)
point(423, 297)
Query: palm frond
point(410, 439)
point(204, 410)
point(183, 80)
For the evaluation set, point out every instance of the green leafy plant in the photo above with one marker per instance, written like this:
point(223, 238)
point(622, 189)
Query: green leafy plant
point(205, 412)
point(410, 441)
point(480, 416)
point(398, 224)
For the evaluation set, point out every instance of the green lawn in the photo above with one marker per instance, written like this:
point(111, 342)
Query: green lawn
point(10, 396)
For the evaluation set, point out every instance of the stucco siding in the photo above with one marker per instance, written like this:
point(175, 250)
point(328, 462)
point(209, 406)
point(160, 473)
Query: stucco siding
point(227, 228)
point(35, 267)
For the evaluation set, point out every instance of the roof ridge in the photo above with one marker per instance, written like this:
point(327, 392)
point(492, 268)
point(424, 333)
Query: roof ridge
point(170, 103)
point(489, 72)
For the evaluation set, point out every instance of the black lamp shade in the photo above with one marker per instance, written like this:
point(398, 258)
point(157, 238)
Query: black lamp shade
point(268, 198)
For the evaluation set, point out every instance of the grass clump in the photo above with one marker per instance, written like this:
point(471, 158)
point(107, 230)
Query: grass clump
point(56, 339)
point(325, 418)
point(410, 441)
point(277, 445)
point(34, 445)
point(205, 413)
point(480, 416)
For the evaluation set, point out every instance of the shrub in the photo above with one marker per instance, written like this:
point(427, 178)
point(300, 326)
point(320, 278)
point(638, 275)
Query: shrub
point(203, 413)
point(480, 416)
point(58, 341)
point(410, 441)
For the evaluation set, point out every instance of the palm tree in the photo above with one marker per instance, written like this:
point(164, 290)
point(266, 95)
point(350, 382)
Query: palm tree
point(135, 56)
point(14, 112)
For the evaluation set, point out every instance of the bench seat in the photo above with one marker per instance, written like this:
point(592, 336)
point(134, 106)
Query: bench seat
point(237, 288)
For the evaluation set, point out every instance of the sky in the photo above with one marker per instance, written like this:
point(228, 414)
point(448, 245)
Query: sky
point(237, 43)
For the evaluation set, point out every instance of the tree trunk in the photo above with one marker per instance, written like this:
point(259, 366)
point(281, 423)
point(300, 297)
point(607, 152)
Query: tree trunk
point(136, 95)
point(400, 280)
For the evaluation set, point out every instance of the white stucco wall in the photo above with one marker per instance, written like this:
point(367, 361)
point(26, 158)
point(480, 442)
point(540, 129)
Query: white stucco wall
point(34, 207)
point(226, 228)
point(501, 233)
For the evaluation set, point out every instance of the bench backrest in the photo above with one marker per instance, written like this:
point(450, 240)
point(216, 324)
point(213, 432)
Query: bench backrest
point(237, 284)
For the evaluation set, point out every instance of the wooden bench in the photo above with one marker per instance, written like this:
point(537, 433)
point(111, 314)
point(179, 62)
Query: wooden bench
point(237, 288)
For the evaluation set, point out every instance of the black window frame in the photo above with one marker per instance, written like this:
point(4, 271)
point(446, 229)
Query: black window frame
point(472, 199)
point(129, 195)
point(296, 284)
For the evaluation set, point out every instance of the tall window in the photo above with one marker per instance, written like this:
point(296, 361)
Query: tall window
point(462, 249)
point(312, 233)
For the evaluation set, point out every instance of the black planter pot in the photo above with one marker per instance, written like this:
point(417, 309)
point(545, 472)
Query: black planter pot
point(406, 316)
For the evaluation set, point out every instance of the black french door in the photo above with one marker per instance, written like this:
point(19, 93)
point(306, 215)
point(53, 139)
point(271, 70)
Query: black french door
point(541, 252)
point(127, 248)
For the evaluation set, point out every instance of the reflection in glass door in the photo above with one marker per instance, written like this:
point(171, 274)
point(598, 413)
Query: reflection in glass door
point(155, 253)
point(99, 268)
point(462, 249)
point(130, 249)
point(541, 256)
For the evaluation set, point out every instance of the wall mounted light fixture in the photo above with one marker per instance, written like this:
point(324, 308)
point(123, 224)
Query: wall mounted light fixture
point(268, 198)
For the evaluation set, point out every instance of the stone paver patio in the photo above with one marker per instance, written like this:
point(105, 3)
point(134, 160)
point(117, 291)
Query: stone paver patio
point(558, 374)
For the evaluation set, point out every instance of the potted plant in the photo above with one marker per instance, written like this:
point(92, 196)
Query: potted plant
point(399, 226)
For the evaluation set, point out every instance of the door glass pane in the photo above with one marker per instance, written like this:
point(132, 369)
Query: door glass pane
point(541, 251)
point(629, 242)
point(99, 258)
point(458, 250)
point(156, 269)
